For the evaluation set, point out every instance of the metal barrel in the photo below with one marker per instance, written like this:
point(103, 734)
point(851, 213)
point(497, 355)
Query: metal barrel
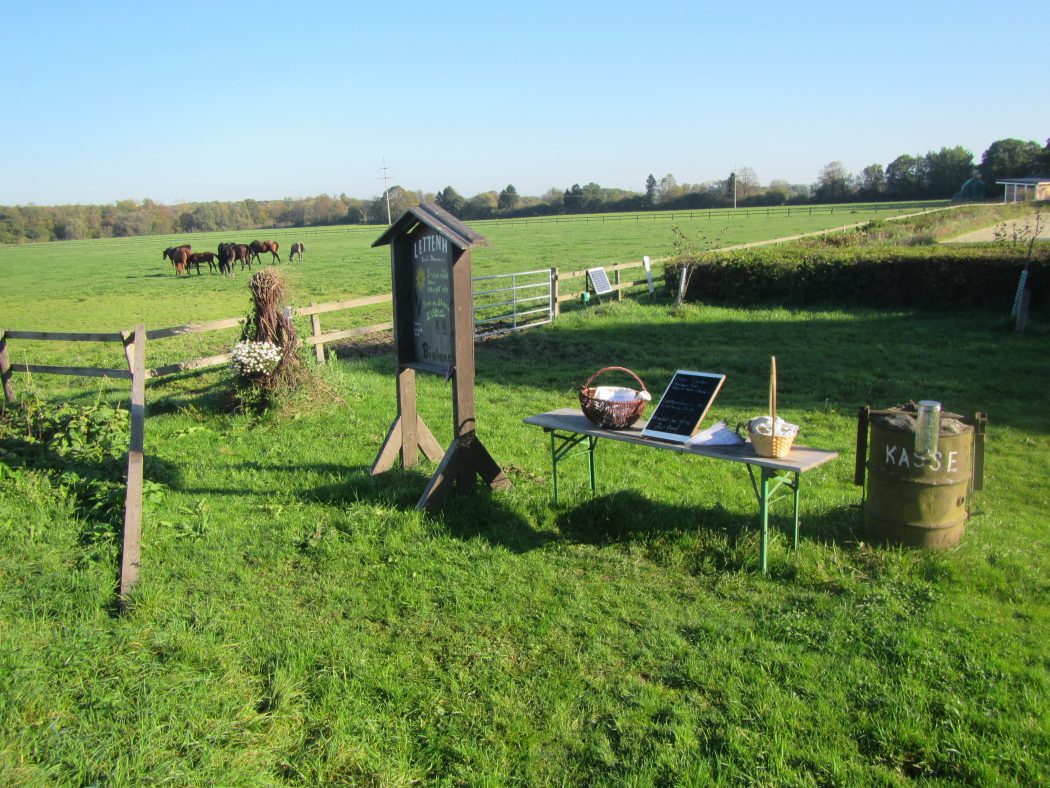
point(913, 500)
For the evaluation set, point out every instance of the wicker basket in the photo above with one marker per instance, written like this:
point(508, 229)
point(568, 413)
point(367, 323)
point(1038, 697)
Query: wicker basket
point(776, 446)
point(612, 414)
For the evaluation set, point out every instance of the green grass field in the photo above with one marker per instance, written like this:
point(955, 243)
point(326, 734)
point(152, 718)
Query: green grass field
point(111, 285)
point(298, 622)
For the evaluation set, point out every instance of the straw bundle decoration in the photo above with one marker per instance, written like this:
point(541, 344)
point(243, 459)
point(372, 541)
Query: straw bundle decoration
point(271, 322)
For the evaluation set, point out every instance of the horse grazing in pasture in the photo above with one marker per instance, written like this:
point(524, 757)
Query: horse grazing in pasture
point(202, 257)
point(225, 259)
point(180, 258)
point(231, 253)
point(265, 246)
point(169, 254)
point(297, 249)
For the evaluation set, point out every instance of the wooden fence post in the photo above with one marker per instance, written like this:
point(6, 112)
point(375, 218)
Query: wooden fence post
point(5, 369)
point(315, 329)
point(132, 537)
point(616, 281)
point(128, 338)
point(555, 307)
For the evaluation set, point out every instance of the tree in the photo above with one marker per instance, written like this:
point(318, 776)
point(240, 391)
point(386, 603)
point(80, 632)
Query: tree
point(668, 189)
point(945, 171)
point(452, 201)
point(781, 187)
point(832, 183)
point(904, 177)
point(508, 198)
point(400, 201)
point(554, 198)
point(481, 205)
point(573, 199)
point(593, 196)
point(746, 183)
point(872, 182)
point(1009, 158)
point(729, 189)
point(650, 189)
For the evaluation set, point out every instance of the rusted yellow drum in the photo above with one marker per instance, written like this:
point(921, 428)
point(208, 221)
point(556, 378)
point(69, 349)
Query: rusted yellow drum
point(916, 500)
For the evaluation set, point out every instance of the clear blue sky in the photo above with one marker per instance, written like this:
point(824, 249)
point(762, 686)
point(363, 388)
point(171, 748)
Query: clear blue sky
point(225, 101)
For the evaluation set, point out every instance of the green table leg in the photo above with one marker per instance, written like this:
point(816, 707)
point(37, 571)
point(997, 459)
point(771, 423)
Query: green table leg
point(797, 485)
point(559, 451)
point(592, 444)
point(765, 488)
point(764, 508)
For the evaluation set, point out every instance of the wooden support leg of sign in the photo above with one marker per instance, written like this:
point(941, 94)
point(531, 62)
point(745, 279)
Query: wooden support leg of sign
point(393, 447)
point(406, 442)
point(462, 461)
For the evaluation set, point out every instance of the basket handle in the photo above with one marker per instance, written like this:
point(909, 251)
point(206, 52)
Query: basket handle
point(590, 380)
point(773, 392)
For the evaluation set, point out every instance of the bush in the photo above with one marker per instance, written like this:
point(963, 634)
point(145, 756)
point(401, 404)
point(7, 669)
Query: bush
point(916, 276)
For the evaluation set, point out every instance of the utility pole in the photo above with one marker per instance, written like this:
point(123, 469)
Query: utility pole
point(386, 190)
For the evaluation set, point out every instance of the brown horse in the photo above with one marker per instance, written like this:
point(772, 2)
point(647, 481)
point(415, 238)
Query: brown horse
point(231, 253)
point(202, 257)
point(180, 257)
point(225, 258)
point(265, 246)
point(169, 254)
point(297, 249)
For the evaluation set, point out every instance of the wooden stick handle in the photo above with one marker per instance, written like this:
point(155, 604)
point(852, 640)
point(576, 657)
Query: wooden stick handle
point(773, 392)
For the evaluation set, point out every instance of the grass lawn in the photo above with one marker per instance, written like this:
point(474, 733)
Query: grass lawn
point(297, 621)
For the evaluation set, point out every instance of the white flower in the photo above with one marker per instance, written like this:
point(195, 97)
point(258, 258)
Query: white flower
point(255, 358)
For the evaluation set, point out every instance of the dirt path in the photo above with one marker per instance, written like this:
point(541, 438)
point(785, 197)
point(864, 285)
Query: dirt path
point(988, 233)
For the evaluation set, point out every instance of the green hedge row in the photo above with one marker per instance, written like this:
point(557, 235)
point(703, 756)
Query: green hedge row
point(920, 276)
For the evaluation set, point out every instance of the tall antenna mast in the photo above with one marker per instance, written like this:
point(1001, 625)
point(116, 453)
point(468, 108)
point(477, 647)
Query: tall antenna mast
point(386, 190)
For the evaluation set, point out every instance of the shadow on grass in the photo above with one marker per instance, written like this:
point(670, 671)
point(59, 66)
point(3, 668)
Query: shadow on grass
point(716, 537)
point(481, 514)
point(846, 358)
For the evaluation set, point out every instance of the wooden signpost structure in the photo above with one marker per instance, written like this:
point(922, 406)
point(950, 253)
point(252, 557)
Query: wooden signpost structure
point(434, 332)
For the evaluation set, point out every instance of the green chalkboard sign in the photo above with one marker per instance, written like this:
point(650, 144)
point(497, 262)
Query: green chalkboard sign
point(423, 284)
point(432, 323)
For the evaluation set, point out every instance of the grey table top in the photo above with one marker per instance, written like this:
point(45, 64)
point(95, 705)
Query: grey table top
point(799, 460)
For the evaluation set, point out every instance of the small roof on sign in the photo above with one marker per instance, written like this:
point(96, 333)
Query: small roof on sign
point(438, 219)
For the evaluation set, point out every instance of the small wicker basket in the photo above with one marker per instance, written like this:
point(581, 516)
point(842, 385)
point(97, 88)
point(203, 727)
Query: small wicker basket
point(612, 414)
point(772, 445)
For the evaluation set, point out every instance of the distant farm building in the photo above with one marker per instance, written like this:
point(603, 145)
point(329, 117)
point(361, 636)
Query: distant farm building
point(1022, 189)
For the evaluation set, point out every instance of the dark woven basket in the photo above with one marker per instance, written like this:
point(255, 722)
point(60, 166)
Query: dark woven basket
point(608, 414)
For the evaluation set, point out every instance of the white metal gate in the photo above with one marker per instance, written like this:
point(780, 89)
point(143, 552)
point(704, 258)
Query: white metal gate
point(511, 302)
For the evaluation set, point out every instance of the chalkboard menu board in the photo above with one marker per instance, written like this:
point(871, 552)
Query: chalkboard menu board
point(426, 301)
point(683, 405)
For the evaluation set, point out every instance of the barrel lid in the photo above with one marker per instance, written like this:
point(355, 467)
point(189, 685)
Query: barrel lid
point(902, 419)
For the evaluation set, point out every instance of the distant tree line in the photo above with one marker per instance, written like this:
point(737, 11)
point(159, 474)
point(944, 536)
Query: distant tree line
point(937, 174)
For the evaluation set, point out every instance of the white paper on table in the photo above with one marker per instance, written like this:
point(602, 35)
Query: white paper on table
point(717, 434)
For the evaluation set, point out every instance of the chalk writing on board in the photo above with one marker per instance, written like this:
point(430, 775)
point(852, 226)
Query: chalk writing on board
point(684, 404)
point(432, 297)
